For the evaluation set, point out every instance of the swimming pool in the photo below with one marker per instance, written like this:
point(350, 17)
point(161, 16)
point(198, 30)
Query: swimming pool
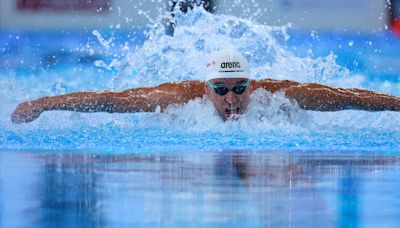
point(187, 166)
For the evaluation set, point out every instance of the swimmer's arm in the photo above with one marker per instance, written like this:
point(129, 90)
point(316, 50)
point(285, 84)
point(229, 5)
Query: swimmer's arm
point(132, 100)
point(318, 97)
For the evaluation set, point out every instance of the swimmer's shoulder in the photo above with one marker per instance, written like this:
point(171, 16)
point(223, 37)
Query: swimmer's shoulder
point(187, 84)
point(273, 85)
point(191, 88)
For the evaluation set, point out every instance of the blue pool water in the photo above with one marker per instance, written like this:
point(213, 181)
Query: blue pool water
point(186, 166)
point(219, 188)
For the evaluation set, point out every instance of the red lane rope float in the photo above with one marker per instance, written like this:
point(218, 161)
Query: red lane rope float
point(395, 26)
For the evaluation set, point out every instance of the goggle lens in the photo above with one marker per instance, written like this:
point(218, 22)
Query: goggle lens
point(221, 90)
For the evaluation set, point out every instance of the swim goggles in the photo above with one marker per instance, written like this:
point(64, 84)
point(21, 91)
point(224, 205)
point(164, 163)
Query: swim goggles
point(223, 90)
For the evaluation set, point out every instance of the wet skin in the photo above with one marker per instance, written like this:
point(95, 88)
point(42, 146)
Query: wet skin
point(230, 105)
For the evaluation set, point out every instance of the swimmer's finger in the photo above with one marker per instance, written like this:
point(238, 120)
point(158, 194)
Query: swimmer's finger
point(19, 119)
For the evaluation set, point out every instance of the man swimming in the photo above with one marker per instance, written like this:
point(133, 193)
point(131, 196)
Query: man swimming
point(228, 87)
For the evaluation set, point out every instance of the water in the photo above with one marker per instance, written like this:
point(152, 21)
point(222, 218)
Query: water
point(230, 188)
point(186, 166)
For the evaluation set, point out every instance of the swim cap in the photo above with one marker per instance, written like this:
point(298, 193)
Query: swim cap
point(227, 64)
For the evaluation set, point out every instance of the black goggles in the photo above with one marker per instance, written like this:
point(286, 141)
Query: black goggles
point(223, 90)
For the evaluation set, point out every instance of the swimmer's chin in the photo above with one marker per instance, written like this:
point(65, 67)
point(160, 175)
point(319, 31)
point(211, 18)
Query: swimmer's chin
point(232, 117)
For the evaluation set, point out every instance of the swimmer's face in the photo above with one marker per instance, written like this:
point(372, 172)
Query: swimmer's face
point(230, 105)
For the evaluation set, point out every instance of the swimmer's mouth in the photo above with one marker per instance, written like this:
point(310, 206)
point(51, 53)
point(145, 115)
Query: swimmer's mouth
point(230, 111)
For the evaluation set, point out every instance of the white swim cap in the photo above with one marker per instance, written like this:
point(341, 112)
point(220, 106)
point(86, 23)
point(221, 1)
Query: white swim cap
point(227, 64)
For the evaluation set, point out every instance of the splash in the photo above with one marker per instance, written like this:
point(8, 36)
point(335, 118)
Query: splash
point(165, 58)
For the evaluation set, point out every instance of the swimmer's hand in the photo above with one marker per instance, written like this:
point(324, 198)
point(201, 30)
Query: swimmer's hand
point(26, 112)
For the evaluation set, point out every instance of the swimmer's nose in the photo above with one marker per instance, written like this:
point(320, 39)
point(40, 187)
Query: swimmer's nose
point(231, 97)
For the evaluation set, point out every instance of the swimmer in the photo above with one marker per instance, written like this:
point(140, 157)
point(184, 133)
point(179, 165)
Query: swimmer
point(228, 87)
